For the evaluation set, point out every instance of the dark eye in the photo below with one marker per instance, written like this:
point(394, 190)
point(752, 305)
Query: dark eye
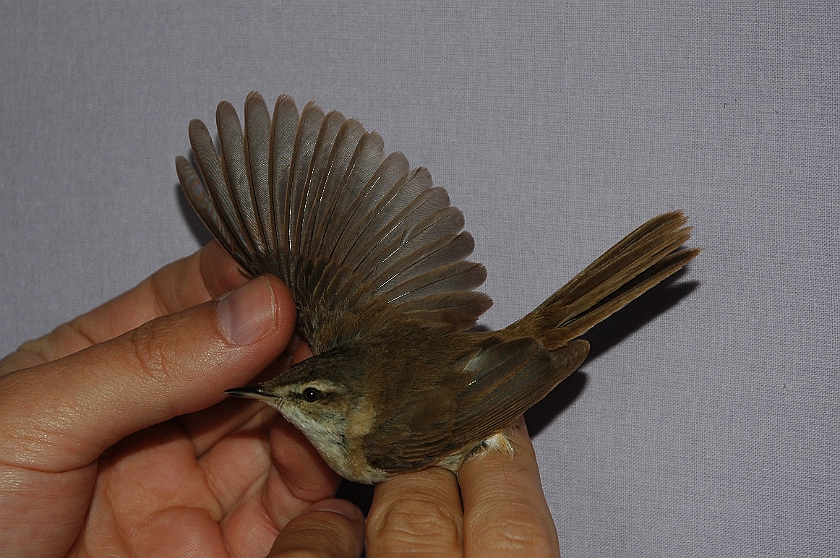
point(311, 394)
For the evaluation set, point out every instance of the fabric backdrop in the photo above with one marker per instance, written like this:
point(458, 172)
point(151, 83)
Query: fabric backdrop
point(706, 421)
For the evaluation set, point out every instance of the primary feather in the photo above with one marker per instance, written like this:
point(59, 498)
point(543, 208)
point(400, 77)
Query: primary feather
point(311, 197)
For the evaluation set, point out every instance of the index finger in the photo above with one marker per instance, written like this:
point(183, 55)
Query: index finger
point(505, 512)
point(206, 274)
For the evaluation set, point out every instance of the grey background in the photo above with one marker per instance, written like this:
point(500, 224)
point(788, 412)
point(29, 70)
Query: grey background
point(706, 422)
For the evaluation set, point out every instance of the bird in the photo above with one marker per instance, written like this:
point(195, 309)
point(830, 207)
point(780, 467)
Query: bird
point(375, 257)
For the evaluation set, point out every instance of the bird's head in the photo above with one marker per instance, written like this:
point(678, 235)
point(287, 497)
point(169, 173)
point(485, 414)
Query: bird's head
point(324, 397)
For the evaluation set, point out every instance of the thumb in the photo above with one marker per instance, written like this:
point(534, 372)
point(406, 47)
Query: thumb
point(328, 529)
point(65, 413)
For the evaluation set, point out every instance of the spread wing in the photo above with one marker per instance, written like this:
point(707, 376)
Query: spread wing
point(310, 197)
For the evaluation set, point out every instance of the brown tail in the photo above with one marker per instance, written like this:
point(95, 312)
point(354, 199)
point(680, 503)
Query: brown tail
point(638, 262)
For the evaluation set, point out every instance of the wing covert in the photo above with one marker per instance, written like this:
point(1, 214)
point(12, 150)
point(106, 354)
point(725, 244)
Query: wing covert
point(505, 379)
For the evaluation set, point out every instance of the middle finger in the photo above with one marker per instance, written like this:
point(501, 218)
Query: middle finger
point(416, 514)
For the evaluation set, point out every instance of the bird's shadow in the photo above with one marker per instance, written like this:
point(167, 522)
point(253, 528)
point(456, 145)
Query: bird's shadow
point(604, 337)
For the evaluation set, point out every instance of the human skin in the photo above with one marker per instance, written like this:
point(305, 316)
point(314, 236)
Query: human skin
point(116, 439)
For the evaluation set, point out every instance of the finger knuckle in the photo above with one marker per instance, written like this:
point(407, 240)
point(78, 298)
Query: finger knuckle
point(417, 522)
point(148, 345)
point(65, 339)
point(29, 354)
point(516, 537)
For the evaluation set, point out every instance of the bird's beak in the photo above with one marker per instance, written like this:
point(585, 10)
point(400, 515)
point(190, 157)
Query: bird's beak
point(254, 392)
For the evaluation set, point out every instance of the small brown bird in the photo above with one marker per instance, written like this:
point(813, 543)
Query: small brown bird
point(375, 258)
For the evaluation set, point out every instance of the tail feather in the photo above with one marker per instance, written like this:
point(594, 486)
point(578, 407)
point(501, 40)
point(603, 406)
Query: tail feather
point(635, 264)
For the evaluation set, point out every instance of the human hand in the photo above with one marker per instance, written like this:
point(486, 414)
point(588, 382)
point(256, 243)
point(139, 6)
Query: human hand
point(116, 437)
point(494, 508)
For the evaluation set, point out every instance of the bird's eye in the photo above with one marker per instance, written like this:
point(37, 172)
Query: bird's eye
point(312, 394)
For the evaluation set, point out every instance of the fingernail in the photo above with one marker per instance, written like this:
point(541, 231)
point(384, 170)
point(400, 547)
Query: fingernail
point(247, 313)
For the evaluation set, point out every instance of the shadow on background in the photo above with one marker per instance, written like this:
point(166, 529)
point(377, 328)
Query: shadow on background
point(604, 337)
point(543, 413)
point(637, 314)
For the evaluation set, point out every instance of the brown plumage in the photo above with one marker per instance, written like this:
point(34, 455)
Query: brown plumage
point(375, 258)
